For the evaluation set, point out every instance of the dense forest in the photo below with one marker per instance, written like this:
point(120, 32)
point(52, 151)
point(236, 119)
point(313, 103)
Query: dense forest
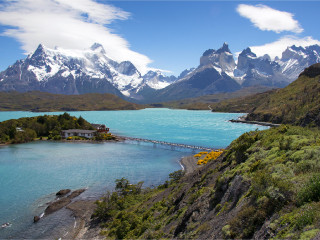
point(30, 128)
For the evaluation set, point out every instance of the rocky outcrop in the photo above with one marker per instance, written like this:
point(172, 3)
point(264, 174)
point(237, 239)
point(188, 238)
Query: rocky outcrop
point(36, 219)
point(63, 192)
point(311, 71)
point(62, 202)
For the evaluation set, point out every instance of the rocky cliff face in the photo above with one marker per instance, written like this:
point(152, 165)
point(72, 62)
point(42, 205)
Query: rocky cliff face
point(222, 58)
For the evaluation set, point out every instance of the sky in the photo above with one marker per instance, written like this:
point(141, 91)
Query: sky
point(167, 35)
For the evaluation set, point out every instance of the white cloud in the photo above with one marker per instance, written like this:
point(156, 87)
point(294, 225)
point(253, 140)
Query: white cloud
point(276, 48)
point(269, 19)
point(70, 24)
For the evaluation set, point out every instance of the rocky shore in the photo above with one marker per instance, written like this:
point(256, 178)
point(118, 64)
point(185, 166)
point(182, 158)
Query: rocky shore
point(86, 228)
point(81, 210)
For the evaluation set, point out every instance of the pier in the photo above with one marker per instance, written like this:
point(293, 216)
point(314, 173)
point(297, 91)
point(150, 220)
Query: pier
point(172, 145)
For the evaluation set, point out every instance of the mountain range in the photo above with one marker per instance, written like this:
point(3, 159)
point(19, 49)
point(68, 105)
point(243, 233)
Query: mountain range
point(75, 72)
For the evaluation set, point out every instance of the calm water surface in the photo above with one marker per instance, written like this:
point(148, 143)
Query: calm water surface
point(31, 173)
point(202, 128)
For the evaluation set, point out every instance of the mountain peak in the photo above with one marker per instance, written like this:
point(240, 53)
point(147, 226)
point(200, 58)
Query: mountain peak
point(40, 49)
point(208, 52)
point(247, 52)
point(98, 47)
point(224, 48)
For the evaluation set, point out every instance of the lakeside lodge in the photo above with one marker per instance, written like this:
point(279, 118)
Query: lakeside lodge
point(78, 133)
point(85, 133)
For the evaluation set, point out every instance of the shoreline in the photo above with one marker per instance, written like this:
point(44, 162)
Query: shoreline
point(267, 124)
point(83, 209)
point(189, 164)
point(118, 139)
point(242, 119)
point(84, 227)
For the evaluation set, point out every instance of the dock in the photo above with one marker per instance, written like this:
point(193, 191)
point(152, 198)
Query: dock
point(170, 144)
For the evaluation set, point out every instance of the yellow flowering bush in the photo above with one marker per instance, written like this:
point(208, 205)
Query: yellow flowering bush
point(209, 156)
point(200, 162)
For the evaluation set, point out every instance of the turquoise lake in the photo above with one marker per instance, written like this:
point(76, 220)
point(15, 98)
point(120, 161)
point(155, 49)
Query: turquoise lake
point(31, 173)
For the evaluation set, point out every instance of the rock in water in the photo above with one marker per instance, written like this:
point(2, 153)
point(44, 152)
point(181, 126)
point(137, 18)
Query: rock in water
point(63, 192)
point(36, 219)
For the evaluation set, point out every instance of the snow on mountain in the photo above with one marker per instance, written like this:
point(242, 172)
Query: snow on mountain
point(218, 71)
point(76, 71)
point(67, 71)
point(222, 58)
point(156, 80)
point(295, 59)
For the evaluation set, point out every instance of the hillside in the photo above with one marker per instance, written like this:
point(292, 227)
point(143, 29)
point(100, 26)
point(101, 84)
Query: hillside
point(298, 103)
point(204, 102)
point(47, 102)
point(265, 185)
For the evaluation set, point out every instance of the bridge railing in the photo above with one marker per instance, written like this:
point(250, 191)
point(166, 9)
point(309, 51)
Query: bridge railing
point(179, 145)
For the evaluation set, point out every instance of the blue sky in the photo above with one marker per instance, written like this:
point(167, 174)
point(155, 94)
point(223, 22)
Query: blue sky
point(167, 35)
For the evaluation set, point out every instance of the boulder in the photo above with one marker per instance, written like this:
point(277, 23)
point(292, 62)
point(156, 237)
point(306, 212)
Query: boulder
point(63, 192)
point(36, 219)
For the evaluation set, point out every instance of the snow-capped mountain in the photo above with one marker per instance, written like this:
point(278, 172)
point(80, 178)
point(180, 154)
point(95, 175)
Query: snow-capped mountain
point(75, 72)
point(253, 70)
point(222, 59)
point(218, 72)
point(211, 76)
point(295, 59)
point(156, 80)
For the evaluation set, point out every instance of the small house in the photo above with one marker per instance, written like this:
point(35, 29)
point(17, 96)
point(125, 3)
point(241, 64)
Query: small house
point(100, 127)
point(78, 132)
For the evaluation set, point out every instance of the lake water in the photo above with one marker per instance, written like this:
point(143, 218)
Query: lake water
point(31, 173)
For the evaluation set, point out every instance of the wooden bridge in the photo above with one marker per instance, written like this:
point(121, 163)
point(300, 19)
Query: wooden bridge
point(172, 145)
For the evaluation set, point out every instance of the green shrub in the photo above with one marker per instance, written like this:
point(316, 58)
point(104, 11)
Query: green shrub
point(310, 191)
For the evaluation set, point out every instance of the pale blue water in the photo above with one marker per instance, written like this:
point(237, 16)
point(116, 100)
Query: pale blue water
point(202, 128)
point(30, 173)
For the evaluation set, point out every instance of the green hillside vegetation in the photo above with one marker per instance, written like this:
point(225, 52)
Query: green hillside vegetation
point(244, 104)
point(47, 102)
point(297, 104)
point(203, 102)
point(28, 129)
point(265, 185)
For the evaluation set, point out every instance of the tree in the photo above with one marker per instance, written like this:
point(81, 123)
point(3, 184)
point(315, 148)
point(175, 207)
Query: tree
point(81, 121)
